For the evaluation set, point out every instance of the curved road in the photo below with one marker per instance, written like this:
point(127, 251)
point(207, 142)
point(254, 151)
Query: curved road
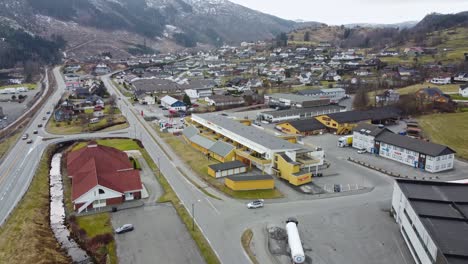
point(222, 222)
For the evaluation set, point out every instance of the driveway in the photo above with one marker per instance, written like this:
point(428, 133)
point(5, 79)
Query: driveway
point(159, 237)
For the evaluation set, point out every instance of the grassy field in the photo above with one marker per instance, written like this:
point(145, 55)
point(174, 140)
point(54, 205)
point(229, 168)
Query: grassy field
point(199, 164)
point(448, 88)
point(122, 89)
point(27, 237)
point(74, 127)
point(99, 224)
point(30, 86)
point(246, 238)
point(447, 129)
point(8, 142)
point(168, 196)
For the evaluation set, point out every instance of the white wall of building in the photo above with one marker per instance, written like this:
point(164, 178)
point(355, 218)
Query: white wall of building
point(94, 195)
point(361, 141)
point(441, 163)
point(395, 153)
point(420, 244)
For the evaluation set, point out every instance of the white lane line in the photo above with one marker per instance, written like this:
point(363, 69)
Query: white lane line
point(211, 204)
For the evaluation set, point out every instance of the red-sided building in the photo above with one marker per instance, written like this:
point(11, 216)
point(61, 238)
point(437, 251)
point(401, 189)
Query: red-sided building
point(101, 176)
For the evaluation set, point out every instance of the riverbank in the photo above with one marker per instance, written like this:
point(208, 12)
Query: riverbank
point(26, 236)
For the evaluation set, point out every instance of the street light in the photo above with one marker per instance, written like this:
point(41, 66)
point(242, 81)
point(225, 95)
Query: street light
point(193, 215)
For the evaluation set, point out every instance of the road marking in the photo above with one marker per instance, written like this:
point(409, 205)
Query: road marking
point(211, 204)
point(15, 160)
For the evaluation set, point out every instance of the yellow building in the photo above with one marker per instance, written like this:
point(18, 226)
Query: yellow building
point(218, 150)
point(303, 127)
point(338, 126)
point(247, 183)
point(226, 169)
point(292, 171)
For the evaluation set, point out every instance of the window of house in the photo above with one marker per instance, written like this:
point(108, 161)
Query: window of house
point(101, 191)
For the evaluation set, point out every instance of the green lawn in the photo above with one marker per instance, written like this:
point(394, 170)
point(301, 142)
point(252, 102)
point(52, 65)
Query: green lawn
point(199, 163)
point(444, 88)
point(447, 129)
point(26, 237)
point(74, 127)
point(30, 86)
point(458, 97)
point(118, 143)
point(96, 224)
point(99, 224)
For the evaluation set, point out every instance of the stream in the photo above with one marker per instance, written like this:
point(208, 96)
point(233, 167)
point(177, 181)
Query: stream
point(57, 215)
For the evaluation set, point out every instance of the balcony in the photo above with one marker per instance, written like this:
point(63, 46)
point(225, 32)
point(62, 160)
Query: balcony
point(248, 155)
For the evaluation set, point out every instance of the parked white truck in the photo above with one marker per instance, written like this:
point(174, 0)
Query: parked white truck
point(345, 141)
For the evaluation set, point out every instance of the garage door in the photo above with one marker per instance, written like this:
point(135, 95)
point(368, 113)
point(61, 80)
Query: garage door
point(218, 174)
point(224, 173)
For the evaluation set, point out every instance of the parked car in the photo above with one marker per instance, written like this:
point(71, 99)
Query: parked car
point(40, 125)
point(25, 136)
point(164, 108)
point(255, 204)
point(123, 229)
point(29, 141)
point(48, 112)
point(44, 118)
point(35, 132)
point(361, 151)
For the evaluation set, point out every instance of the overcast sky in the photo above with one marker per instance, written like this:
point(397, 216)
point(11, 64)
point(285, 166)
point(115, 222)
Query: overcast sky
point(339, 12)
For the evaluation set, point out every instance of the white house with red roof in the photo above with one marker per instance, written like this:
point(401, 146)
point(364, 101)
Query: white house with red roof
point(101, 176)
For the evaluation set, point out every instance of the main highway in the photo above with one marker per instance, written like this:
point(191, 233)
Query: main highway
point(221, 221)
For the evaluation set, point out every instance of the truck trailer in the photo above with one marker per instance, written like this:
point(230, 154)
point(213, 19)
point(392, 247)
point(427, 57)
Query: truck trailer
point(345, 141)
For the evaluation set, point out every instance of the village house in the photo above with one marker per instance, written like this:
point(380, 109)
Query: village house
point(463, 91)
point(101, 176)
point(224, 100)
point(432, 95)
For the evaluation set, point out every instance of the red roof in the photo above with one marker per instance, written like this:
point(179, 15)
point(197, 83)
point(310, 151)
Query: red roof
point(106, 166)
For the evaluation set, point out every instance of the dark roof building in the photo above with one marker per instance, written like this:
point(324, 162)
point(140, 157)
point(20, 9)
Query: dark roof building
point(433, 219)
point(413, 144)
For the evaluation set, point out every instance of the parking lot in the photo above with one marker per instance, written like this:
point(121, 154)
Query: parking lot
point(13, 110)
point(159, 235)
point(365, 235)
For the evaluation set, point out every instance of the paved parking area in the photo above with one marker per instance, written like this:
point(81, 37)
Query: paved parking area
point(13, 110)
point(159, 237)
point(365, 235)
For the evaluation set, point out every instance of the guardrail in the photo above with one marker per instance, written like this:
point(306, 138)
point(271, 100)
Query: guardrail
point(387, 172)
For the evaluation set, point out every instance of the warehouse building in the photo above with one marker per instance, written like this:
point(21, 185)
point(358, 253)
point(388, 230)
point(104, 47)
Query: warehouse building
point(284, 100)
point(335, 95)
point(216, 149)
point(304, 127)
point(418, 153)
point(410, 151)
point(272, 155)
point(432, 217)
point(173, 104)
point(364, 136)
point(226, 169)
point(344, 122)
point(250, 182)
point(299, 113)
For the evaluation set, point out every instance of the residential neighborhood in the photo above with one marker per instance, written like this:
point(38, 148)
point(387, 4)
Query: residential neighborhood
point(209, 132)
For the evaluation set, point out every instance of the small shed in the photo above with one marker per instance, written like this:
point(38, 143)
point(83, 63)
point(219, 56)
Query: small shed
point(250, 182)
point(226, 169)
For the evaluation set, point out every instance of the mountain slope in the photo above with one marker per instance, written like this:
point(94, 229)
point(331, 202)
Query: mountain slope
point(190, 21)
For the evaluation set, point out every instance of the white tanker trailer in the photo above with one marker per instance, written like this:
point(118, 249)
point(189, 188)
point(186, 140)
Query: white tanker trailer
point(294, 241)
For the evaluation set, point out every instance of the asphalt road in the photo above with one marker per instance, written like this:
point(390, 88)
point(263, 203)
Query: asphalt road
point(221, 221)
